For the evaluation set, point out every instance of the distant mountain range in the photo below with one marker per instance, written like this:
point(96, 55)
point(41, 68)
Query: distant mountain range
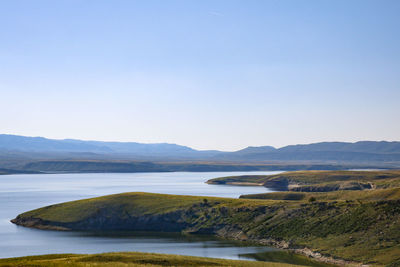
point(14, 147)
point(364, 151)
point(16, 143)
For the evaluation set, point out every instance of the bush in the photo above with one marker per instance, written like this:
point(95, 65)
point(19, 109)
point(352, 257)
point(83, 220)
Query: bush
point(312, 199)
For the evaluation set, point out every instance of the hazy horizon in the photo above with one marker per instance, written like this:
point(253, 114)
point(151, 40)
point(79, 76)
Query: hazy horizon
point(277, 147)
point(205, 74)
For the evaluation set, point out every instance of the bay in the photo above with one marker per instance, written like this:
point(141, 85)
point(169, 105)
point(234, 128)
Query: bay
point(23, 192)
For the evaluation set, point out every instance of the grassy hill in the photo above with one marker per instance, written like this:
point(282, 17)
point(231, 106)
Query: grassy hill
point(318, 181)
point(340, 195)
point(363, 229)
point(128, 259)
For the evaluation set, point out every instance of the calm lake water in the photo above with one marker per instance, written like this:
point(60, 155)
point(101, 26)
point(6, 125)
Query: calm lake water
point(20, 193)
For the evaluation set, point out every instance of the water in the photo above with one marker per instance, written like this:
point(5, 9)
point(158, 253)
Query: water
point(20, 193)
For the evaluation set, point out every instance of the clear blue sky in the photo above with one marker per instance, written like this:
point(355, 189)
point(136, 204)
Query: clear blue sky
point(208, 74)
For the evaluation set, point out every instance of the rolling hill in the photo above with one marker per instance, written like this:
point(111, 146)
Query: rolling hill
point(33, 153)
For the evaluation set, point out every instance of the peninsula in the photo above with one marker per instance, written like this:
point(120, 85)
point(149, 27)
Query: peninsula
point(339, 227)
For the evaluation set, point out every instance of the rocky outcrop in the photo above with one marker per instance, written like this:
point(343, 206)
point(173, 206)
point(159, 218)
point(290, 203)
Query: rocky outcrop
point(332, 187)
point(284, 184)
point(168, 222)
point(278, 184)
point(38, 224)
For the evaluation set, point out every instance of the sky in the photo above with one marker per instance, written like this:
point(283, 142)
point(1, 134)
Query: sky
point(209, 74)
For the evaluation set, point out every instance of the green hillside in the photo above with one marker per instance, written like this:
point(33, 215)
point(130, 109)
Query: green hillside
point(318, 181)
point(340, 195)
point(129, 259)
point(364, 230)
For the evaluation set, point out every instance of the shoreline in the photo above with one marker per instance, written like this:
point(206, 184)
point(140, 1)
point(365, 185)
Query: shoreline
point(285, 245)
point(232, 235)
point(236, 183)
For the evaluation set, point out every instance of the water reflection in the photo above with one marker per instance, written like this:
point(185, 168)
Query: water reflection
point(19, 193)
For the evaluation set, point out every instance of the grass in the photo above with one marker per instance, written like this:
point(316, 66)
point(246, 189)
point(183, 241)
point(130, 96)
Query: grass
point(355, 225)
point(127, 259)
point(287, 257)
point(257, 179)
point(364, 229)
point(129, 204)
point(340, 195)
point(319, 181)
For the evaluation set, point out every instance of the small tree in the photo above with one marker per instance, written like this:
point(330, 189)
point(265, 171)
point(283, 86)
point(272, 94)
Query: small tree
point(312, 199)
